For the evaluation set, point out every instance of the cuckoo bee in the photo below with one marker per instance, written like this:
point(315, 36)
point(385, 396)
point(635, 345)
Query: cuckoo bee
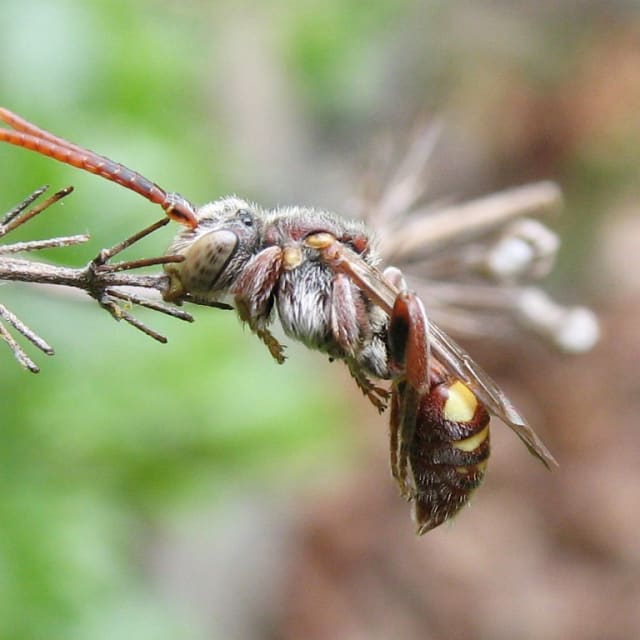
point(322, 277)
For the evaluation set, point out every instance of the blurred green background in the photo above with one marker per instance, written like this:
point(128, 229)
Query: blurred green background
point(147, 491)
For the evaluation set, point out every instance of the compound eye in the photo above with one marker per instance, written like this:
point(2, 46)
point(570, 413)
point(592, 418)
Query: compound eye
point(206, 259)
point(245, 217)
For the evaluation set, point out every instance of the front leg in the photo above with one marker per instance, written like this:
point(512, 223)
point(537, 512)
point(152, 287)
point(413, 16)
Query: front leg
point(253, 296)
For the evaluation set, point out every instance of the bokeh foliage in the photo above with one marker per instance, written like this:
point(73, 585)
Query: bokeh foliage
point(118, 433)
point(118, 437)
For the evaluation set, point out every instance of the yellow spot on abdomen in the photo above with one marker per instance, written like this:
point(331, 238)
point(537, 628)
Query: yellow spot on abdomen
point(479, 468)
point(472, 442)
point(461, 404)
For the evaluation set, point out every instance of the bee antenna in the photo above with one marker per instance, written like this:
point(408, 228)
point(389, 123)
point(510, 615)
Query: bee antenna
point(27, 135)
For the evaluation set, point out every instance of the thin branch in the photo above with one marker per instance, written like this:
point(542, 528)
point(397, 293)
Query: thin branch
point(98, 278)
point(18, 351)
point(137, 264)
point(460, 223)
point(119, 313)
point(88, 278)
point(408, 184)
point(21, 206)
point(107, 254)
point(28, 333)
point(132, 298)
point(22, 218)
point(50, 243)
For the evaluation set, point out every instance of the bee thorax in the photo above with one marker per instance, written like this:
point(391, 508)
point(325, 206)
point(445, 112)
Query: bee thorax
point(303, 305)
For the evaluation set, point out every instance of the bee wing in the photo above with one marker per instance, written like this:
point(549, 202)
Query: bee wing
point(451, 356)
point(458, 362)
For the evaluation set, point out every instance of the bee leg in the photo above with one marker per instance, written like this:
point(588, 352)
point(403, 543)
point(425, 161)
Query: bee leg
point(253, 293)
point(409, 367)
point(378, 396)
point(394, 428)
point(276, 348)
point(408, 346)
point(348, 315)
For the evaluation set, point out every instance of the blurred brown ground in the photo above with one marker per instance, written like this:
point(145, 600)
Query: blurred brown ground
point(537, 555)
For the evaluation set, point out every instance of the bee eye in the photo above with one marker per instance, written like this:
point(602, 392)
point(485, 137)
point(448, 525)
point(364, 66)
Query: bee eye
point(245, 217)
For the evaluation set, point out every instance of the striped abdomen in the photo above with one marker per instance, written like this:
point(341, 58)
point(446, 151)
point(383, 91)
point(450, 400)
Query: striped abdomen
point(449, 453)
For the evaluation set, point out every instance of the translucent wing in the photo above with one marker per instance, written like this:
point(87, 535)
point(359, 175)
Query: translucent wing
point(460, 363)
point(448, 353)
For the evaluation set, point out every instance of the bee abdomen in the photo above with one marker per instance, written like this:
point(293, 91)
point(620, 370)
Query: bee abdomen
point(450, 453)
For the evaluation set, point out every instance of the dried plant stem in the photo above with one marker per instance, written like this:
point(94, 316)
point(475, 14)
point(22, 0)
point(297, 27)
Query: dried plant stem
point(461, 223)
point(143, 262)
point(17, 324)
point(18, 219)
point(91, 279)
point(21, 206)
point(98, 278)
point(18, 351)
point(151, 304)
point(50, 243)
point(107, 254)
point(408, 183)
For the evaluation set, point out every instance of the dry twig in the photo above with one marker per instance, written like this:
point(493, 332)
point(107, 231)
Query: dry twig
point(102, 280)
